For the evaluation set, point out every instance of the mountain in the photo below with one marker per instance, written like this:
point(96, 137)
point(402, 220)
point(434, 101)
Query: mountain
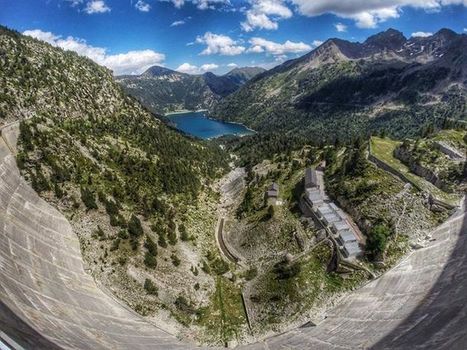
point(162, 90)
point(343, 89)
point(241, 76)
point(136, 193)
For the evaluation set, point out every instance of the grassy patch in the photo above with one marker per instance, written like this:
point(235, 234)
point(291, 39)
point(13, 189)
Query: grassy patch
point(224, 319)
point(276, 300)
point(383, 149)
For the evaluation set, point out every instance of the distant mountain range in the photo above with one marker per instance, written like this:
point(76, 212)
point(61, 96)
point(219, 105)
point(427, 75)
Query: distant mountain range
point(163, 90)
point(343, 88)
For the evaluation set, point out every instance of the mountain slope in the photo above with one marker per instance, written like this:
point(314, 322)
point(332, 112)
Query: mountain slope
point(343, 88)
point(162, 90)
point(137, 194)
point(241, 76)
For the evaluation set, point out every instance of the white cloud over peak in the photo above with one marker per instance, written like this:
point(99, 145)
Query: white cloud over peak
point(368, 13)
point(219, 44)
point(96, 6)
point(317, 43)
point(259, 45)
point(421, 34)
point(232, 65)
point(340, 27)
point(131, 62)
point(192, 69)
point(142, 6)
point(264, 14)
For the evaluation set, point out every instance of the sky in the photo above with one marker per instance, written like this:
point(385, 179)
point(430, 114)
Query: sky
point(195, 36)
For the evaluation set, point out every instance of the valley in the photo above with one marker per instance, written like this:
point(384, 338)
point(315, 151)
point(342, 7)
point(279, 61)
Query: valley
point(221, 235)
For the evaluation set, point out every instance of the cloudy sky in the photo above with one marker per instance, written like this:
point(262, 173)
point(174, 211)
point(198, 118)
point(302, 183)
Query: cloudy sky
point(195, 36)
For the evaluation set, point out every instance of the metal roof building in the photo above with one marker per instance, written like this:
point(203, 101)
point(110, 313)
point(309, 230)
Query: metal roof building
point(311, 178)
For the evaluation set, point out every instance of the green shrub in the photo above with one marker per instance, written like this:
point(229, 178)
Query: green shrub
point(88, 198)
point(134, 226)
point(150, 287)
point(175, 260)
point(150, 260)
point(150, 246)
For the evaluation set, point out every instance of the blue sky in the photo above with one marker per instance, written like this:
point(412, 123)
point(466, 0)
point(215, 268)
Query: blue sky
point(194, 36)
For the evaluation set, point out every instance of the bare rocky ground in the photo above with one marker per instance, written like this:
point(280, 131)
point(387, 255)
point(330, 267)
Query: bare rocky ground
point(123, 273)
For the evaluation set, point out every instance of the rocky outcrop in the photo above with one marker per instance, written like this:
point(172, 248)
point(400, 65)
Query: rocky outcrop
point(405, 157)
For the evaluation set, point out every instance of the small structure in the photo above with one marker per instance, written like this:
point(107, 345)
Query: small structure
point(311, 178)
point(272, 194)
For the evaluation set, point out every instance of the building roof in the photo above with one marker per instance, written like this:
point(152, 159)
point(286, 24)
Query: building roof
point(314, 196)
point(341, 226)
point(274, 186)
point(311, 178)
point(272, 193)
point(347, 236)
point(324, 209)
point(273, 190)
point(352, 248)
point(331, 217)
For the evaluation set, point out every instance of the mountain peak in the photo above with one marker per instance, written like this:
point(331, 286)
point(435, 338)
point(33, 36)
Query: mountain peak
point(390, 39)
point(446, 33)
point(157, 71)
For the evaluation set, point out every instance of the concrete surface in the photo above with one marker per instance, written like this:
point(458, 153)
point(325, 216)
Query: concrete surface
point(47, 301)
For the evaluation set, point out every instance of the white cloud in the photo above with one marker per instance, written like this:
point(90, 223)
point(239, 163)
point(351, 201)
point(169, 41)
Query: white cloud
point(131, 62)
point(142, 6)
point(74, 3)
point(208, 67)
point(200, 4)
point(340, 27)
point(192, 69)
point(317, 43)
point(264, 14)
point(96, 6)
point(187, 68)
point(232, 65)
point(177, 23)
point(210, 4)
point(368, 13)
point(421, 34)
point(219, 44)
point(259, 45)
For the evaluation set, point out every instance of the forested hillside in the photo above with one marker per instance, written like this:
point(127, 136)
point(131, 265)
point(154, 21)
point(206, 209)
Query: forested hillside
point(343, 89)
point(137, 193)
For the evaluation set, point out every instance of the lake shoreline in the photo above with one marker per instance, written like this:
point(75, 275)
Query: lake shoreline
point(219, 128)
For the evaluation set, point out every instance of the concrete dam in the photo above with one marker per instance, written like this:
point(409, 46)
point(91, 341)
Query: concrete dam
point(48, 301)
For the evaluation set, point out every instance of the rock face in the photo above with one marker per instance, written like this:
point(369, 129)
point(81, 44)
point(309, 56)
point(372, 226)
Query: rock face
point(418, 169)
